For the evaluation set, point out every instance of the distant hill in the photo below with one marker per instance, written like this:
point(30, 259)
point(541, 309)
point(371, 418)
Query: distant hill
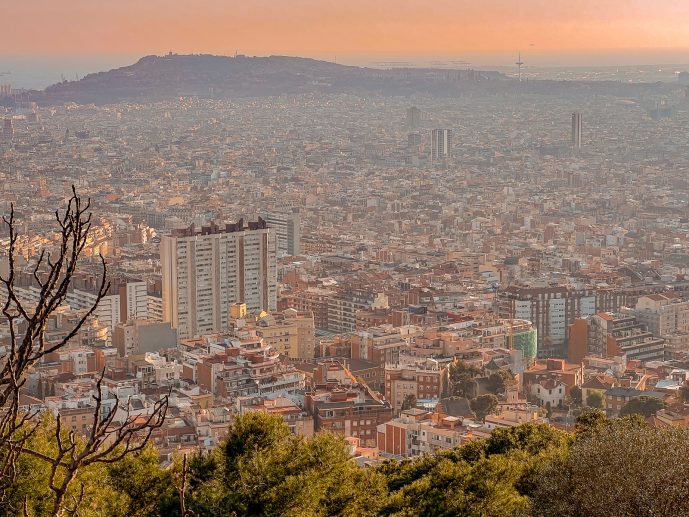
point(164, 77)
point(159, 77)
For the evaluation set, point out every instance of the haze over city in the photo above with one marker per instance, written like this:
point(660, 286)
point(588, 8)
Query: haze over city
point(344, 258)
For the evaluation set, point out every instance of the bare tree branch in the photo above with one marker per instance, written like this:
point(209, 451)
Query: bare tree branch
point(108, 440)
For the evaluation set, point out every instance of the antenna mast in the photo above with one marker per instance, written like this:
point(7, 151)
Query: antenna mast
point(519, 64)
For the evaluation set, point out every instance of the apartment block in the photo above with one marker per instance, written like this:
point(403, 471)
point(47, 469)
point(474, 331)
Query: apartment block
point(292, 333)
point(287, 227)
point(207, 270)
point(426, 379)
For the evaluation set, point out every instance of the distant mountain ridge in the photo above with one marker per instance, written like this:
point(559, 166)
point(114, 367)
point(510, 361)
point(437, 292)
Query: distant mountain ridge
point(154, 78)
point(159, 77)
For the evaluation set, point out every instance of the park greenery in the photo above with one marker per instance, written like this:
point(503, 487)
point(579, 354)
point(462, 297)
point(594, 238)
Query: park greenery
point(604, 466)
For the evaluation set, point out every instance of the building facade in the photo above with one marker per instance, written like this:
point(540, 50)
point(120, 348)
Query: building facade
point(551, 310)
point(287, 227)
point(441, 144)
point(206, 271)
point(576, 130)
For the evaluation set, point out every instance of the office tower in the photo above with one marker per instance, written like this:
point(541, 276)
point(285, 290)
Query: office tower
point(413, 118)
point(441, 144)
point(7, 130)
point(576, 130)
point(287, 227)
point(207, 270)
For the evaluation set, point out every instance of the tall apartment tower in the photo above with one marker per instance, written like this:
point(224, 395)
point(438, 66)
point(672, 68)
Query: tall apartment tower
point(7, 130)
point(441, 144)
point(414, 142)
point(576, 130)
point(287, 227)
point(413, 118)
point(207, 270)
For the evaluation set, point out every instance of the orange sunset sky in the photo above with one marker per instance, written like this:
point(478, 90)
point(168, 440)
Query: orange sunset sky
point(346, 28)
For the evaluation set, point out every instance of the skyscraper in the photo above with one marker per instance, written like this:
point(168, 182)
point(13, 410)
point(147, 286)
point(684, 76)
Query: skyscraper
point(7, 130)
point(413, 118)
point(287, 227)
point(576, 130)
point(441, 144)
point(414, 142)
point(207, 270)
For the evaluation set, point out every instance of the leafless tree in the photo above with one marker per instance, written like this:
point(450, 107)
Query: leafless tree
point(108, 440)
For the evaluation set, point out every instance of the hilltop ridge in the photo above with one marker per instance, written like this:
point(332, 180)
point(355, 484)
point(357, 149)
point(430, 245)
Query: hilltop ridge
point(154, 78)
point(158, 77)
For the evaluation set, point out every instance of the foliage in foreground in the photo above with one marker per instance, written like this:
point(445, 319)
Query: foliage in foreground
point(606, 467)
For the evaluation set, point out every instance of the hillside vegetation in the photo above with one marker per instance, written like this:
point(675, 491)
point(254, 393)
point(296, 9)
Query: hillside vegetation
point(620, 467)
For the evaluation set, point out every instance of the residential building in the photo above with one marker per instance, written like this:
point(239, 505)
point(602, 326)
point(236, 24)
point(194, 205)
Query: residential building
point(292, 333)
point(549, 392)
point(551, 310)
point(287, 227)
point(550, 376)
point(417, 432)
point(616, 398)
point(205, 271)
point(665, 315)
point(441, 144)
point(141, 336)
point(424, 379)
point(344, 406)
point(576, 130)
point(296, 418)
point(610, 334)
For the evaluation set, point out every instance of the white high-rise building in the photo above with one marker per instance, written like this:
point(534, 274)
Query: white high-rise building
point(107, 312)
point(207, 270)
point(136, 301)
point(441, 144)
point(287, 228)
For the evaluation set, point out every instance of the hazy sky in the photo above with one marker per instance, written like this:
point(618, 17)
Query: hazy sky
point(344, 28)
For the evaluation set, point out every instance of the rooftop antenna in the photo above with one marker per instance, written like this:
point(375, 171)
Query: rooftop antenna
point(519, 64)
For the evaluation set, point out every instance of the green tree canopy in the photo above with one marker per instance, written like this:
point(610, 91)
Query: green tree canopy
point(643, 405)
point(484, 405)
point(409, 402)
point(575, 393)
point(623, 467)
point(462, 375)
point(595, 399)
point(266, 470)
point(498, 381)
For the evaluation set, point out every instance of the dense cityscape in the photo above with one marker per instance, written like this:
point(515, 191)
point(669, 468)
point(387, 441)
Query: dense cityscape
point(409, 261)
point(347, 243)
